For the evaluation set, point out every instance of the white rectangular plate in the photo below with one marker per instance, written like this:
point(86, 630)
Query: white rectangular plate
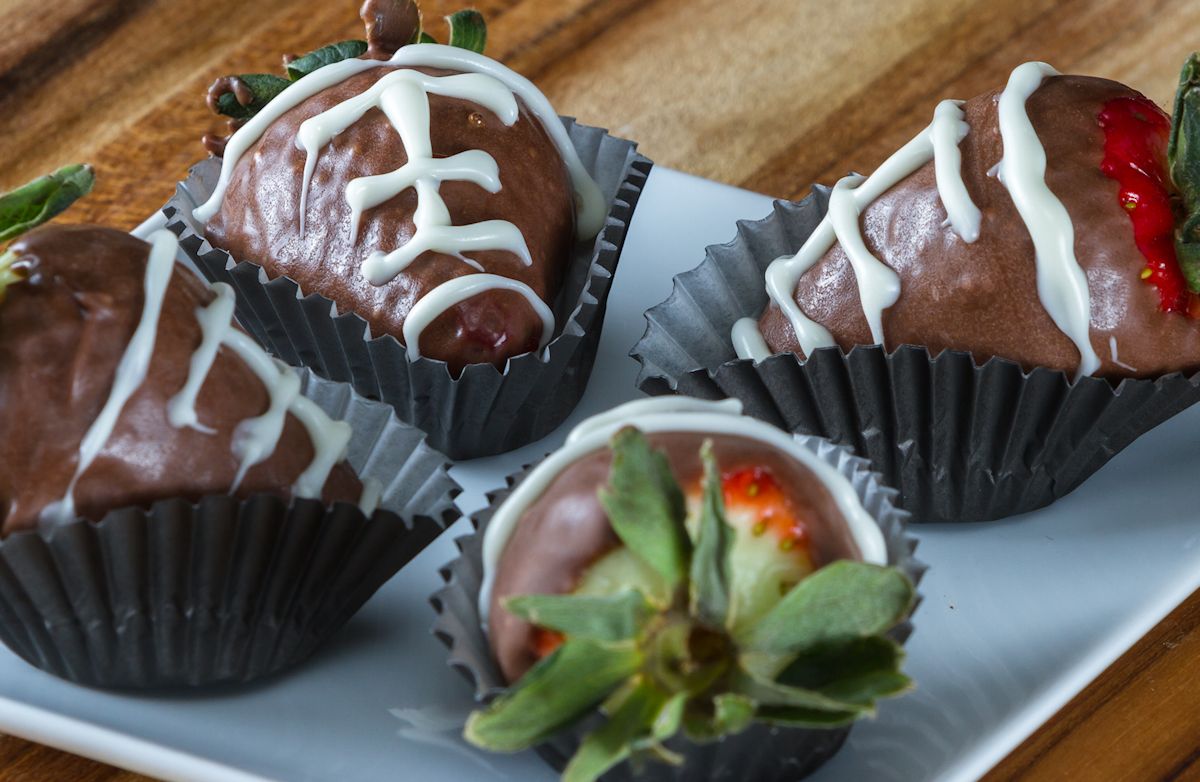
point(1018, 616)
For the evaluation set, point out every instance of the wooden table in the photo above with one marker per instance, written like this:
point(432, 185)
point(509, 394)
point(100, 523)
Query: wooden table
point(770, 95)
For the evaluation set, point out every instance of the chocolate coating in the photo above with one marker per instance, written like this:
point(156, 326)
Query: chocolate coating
point(63, 331)
point(566, 529)
point(982, 297)
point(258, 221)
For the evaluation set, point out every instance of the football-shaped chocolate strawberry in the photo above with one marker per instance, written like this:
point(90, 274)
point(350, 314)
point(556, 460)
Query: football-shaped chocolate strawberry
point(1046, 223)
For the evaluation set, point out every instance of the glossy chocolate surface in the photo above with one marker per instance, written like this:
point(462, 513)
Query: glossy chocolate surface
point(983, 297)
point(259, 221)
point(63, 331)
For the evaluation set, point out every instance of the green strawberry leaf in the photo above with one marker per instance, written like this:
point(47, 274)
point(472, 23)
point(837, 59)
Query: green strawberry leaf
point(424, 37)
point(1183, 158)
point(793, 717)
point(567, 683)
point(263, 87)
point(730, 713)
point(326, 55)
point(840, 602)
point(859, 671)
point(630, 725)
point(646, 507)
point(615, 618)
point(1187, 250)
point(40, 200)
point(710, 572)
point(767, 692)
point(468, 30)
point(670, 718)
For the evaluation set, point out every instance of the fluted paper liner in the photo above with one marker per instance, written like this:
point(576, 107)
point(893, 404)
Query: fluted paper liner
point(485, 410)
point(222, 590)
point(962, 441)
point(762, 752)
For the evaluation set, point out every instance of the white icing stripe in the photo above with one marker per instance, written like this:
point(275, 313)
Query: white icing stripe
point(1061, 282)
point(330, 440)
point(403, 96)
point(459, 289)
point(372, 492)
point(1112, 349)
point(878, 284)
point(131, 370)
point(845, 211)
point(946, 132)
point(215, 320)
point(256, 439)
point(670, 414)
point(591, 206)
point(748, 340)
point(473, 166)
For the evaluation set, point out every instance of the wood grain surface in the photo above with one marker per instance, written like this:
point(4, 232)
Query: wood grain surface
point(770, 95)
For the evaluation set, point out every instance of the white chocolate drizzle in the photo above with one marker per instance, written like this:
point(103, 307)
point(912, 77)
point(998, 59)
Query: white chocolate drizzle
point(946, 132)
point(403, 97)
point(214, 322)
point(878, 285)
point(254, 439)
point(1112, 349)
point(459, 289)
point(670, 414)
point(131, 370)
point(748, 340)
point(1061, 282)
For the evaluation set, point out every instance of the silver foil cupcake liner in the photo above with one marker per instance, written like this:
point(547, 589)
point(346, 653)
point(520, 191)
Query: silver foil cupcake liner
point(960, 440)
point(762, 752)
point(485, 410)
point(189, 594)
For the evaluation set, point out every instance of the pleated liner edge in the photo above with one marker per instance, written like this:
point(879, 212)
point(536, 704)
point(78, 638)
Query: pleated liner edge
point(962, 441)
point(761, 752)
point(484, 411)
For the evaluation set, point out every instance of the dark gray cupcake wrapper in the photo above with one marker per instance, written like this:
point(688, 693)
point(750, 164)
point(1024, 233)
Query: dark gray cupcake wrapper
point(762, 752)
point(484, 411)
point(222, 590)
point(962, 441)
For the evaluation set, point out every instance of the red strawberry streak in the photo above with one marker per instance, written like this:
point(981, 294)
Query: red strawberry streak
point(757, 488)
point(1135, 143)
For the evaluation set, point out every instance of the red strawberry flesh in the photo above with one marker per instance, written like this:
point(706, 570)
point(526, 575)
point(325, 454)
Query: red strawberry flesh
point(1135, 146)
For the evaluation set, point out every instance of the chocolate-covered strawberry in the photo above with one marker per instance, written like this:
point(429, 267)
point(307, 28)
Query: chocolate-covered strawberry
point(124, 380)
point(1051, 223)
point(696, 576)
point(424, 187)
